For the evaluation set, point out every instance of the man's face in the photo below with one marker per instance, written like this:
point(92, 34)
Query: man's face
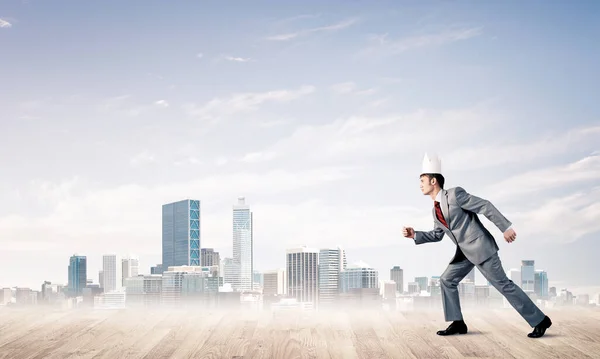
point(426, 186)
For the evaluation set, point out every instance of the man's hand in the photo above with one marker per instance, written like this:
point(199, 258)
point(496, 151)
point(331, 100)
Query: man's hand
point(408, 232)
point(510, 235)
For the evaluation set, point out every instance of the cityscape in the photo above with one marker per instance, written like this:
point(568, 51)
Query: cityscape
point(312, 279)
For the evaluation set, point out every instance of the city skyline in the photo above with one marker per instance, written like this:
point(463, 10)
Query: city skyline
point(319, 114)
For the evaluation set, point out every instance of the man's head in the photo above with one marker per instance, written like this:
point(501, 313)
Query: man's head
point(431, 182)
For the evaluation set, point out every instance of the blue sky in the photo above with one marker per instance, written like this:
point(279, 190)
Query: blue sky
point(319, 114)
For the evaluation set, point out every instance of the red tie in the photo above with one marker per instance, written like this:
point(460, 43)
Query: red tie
point(438, 212)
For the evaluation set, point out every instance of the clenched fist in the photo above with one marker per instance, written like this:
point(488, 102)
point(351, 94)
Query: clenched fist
point(408, 232)
point(510, 235)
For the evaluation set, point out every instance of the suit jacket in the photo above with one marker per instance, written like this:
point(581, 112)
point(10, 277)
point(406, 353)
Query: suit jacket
point(460, 211)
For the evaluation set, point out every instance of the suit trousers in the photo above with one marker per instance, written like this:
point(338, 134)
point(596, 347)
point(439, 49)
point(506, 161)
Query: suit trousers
point(492, 270)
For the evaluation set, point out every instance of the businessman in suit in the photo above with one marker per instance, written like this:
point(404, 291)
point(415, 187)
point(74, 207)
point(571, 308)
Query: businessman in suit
point(455, 214)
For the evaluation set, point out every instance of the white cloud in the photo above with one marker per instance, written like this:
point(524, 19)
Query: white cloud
point(292, 35)
point(125, 218)
point(358, 137)
point(245, 102)
point(497, 151)
point(237, 59)
point(258, 157)
point(200, 55)
point(550, 178)
point(381, 45)
point(162, 103)
point(5, 24)
point(350, 87)
point(142, 158)
point(344, 87)
point(562, 219)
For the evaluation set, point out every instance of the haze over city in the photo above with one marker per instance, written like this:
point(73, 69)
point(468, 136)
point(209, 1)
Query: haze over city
point(318, 115)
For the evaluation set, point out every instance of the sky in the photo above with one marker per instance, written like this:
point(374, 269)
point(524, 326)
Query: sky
point(318, 113)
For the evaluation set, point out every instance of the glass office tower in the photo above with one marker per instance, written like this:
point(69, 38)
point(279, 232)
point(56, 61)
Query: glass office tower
point(243, 245)
point(77, 275)
point(181, 234)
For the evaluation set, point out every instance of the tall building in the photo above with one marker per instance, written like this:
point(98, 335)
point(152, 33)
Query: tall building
point(397, 275)
point(130, 268)
point(528, 276)
point(243, 244)
point(181, 234)
point(540, 286)
point(111, 273)
point(358, 275)
point(274, 282)
point(157, 269)
point(331, 263)
point(231, 271)
point(101, 278)
point(208, 257)
point(423, 283)
point(77, 275)
point(302, 269)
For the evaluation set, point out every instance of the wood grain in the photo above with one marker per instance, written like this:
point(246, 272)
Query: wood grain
point(153, 333)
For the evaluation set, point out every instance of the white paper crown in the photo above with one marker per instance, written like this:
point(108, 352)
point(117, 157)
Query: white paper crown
point(432, 164)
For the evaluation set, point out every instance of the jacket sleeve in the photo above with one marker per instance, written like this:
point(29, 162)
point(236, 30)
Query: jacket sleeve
point(481, 206)
point(435, 235)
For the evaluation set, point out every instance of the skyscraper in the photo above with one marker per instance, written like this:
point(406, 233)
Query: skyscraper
point(243, 244)
point(528, 276)
point(397, 275)
point(181, 234)
point(208, 257)
point(302, 267)
point(77, 275)
point(130, 268)
point(358, 275)
point(331, 262)
point(111, 273)
point(423, 283)
point(541, 283)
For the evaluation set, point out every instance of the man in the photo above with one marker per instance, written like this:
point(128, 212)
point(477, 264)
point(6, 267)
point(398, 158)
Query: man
point(455, 214)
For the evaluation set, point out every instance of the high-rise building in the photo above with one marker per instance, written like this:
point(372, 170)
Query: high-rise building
point(358, 275)
point(274, 282)
point(77, 275)
point(331, 262)
point(157, 269)
point(541, 283)
point(528, 276)
point(397, 275)
point(231, 271)
point(181, 234)
point(101, 278)
point(423, 283)
point(111, 273)
point(243, 244)
point(302, 269)
point(208, 257)
point(130, 268)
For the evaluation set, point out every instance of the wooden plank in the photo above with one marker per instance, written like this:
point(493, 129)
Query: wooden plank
point(154, 333)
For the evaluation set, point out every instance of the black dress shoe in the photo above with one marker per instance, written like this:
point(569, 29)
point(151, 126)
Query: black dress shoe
point(457, 327)
point(540, 329)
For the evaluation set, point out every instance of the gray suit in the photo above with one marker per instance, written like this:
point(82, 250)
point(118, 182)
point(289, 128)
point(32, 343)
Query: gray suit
point(460, 210)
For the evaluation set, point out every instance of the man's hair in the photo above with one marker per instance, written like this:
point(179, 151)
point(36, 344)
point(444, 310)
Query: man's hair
point(439, 178)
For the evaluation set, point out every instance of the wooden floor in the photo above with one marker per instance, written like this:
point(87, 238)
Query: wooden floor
point(379, 334)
